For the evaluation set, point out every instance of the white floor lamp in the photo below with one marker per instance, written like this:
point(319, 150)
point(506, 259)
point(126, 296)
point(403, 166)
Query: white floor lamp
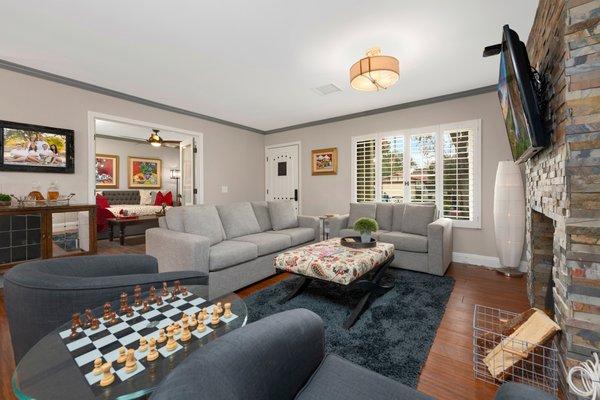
point(509, 217)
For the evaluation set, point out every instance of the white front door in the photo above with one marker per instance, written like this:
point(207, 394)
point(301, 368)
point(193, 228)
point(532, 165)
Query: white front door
point(187, 161)
point(282, 173)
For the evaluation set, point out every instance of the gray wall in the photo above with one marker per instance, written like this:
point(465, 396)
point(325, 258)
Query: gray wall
point(332, 193)
point(124, 149)
point(232, 157)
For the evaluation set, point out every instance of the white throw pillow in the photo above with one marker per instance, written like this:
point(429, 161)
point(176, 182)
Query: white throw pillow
point(146, 197)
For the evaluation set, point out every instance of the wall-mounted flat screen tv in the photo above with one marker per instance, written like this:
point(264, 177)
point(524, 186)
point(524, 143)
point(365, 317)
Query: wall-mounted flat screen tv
point(519, 100)
point(34, 148)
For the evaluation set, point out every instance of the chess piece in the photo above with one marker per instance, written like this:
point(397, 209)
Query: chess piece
point(184, 291)
point(171, 343)
point(95, 324)
point(107, 376)
point(201, 327)
point(145, 307)
point(192, 321)
point(214, 320)
point(204, 313)
point(137, 296)
point(159, 301)
point(113, 318)
point(122, 355)
point(124, 305)
point(152, 296)
point(165, 290)
point(227, 313)
point(129, 311)
point(97, 366)
point(107, 311)
point(89, 316)
point(130, 363)
point(219, 307)
point(152, 354)
point(143, 345)
point(176, 288)
point(161, 336)
point(75, 320)
point(185, 331)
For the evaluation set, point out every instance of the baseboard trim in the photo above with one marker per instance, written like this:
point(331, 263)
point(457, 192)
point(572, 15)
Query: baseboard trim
point(480, 260)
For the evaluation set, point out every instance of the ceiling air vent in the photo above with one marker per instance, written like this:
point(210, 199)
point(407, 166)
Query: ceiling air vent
point(326, 89)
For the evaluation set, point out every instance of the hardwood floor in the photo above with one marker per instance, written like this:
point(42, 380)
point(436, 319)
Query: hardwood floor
point(447, 373)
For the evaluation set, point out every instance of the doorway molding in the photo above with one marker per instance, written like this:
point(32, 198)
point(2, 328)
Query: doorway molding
point(274, 146)
point(93, 116)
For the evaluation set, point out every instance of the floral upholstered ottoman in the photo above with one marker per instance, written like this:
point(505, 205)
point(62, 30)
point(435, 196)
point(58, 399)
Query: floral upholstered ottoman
point(332, 262)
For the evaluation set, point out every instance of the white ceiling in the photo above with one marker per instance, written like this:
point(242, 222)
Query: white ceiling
point(129, 131)
point(256, 62)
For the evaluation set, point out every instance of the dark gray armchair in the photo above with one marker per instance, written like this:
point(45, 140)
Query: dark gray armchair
point(281, 357)
point(41, 295)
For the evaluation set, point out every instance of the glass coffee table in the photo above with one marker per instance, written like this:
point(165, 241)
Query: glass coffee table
point(50, 370)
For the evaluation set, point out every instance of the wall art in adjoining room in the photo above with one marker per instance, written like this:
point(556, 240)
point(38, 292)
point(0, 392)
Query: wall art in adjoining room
point(107, 171)
point(34, 148)
point(144, 172)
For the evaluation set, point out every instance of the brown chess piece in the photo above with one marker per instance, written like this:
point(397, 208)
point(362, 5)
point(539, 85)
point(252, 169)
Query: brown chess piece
point(137, 296)
point(123, 308)
point(89, 316)
point(152, 296)
point(75, 320)
point(159, 301)
point(95, 324)
point(184, 290)
point(145, 307)
point(107, 311)
point(129, 311)
point(74, 332)
point(113, 318)
point(165, 289)
point(176, 288)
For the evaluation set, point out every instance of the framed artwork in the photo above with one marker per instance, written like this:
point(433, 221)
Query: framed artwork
point(325, 161)
point(34, 148)
point(144, 173)
point(107, 171)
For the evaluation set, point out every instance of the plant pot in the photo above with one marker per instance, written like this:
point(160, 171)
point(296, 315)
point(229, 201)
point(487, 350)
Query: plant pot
point(5, 203)
point(365, 237)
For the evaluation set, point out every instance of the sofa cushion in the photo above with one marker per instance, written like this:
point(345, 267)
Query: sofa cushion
point(238, 219)
point(406, 241)
point(337, 378)
point(230, 252)
point(298, 235)
point(267, 242)
point(261, 210)
point(361, 210)
point(174, 218)
point(204, 221)
point(416, 218)
point(384, 215)
point(351, 232)
point(283, 215)
point(397, 216)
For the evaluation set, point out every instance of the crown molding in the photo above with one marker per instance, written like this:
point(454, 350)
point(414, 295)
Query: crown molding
point(124, 96)
point(401, 106)
point(113, 93)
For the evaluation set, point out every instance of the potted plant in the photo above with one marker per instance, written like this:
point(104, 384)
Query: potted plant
point(5, 200)
point(365, 226)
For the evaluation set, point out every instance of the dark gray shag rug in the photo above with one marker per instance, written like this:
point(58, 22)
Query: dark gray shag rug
point(392, 337)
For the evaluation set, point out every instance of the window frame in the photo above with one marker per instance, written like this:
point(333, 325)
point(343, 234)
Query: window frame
point(471, 125)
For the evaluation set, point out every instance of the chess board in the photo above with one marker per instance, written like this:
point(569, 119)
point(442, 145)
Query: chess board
point(105, 341)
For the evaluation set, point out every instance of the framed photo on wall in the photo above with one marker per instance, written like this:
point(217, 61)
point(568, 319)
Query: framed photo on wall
point(107, 171)
point(35, 148)
point(325, 161)
point(144, 173)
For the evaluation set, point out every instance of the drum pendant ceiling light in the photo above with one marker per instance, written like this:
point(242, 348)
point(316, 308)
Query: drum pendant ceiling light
point(374, 72)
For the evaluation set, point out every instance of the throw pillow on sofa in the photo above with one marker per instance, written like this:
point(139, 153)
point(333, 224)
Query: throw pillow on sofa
point(417, 217)
point(238, 219)
point(102, 201)
point(203, 221)
point(361, 210)
point(283, 215)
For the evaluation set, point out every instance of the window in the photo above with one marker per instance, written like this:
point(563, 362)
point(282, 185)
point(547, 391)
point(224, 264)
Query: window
point(439, 164)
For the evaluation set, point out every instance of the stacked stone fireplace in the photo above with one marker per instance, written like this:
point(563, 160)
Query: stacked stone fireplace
point(563, 181)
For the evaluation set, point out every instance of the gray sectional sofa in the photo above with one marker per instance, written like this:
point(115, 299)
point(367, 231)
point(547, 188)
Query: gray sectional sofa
point(422, 241)
point(234, 243)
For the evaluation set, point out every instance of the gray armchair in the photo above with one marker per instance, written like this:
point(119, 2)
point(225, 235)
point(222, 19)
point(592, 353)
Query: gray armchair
point(41, 295)
point(281, 357)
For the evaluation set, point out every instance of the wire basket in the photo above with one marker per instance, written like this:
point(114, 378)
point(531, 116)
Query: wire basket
point(539, 368)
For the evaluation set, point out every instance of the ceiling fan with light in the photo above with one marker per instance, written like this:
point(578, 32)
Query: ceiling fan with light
point(156, 141)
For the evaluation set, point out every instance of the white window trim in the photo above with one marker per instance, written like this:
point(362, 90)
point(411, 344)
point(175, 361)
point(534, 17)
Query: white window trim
point(474, 125)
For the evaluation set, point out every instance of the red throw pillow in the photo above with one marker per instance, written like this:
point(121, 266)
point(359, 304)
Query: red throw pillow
point(168, 198)
point(159, 199)
point(102, 201)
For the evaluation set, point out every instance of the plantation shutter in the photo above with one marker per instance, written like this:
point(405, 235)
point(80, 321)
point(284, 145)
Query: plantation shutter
point(365, 170)
point(458, 174)
point(392, 169)
point(422, 168)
